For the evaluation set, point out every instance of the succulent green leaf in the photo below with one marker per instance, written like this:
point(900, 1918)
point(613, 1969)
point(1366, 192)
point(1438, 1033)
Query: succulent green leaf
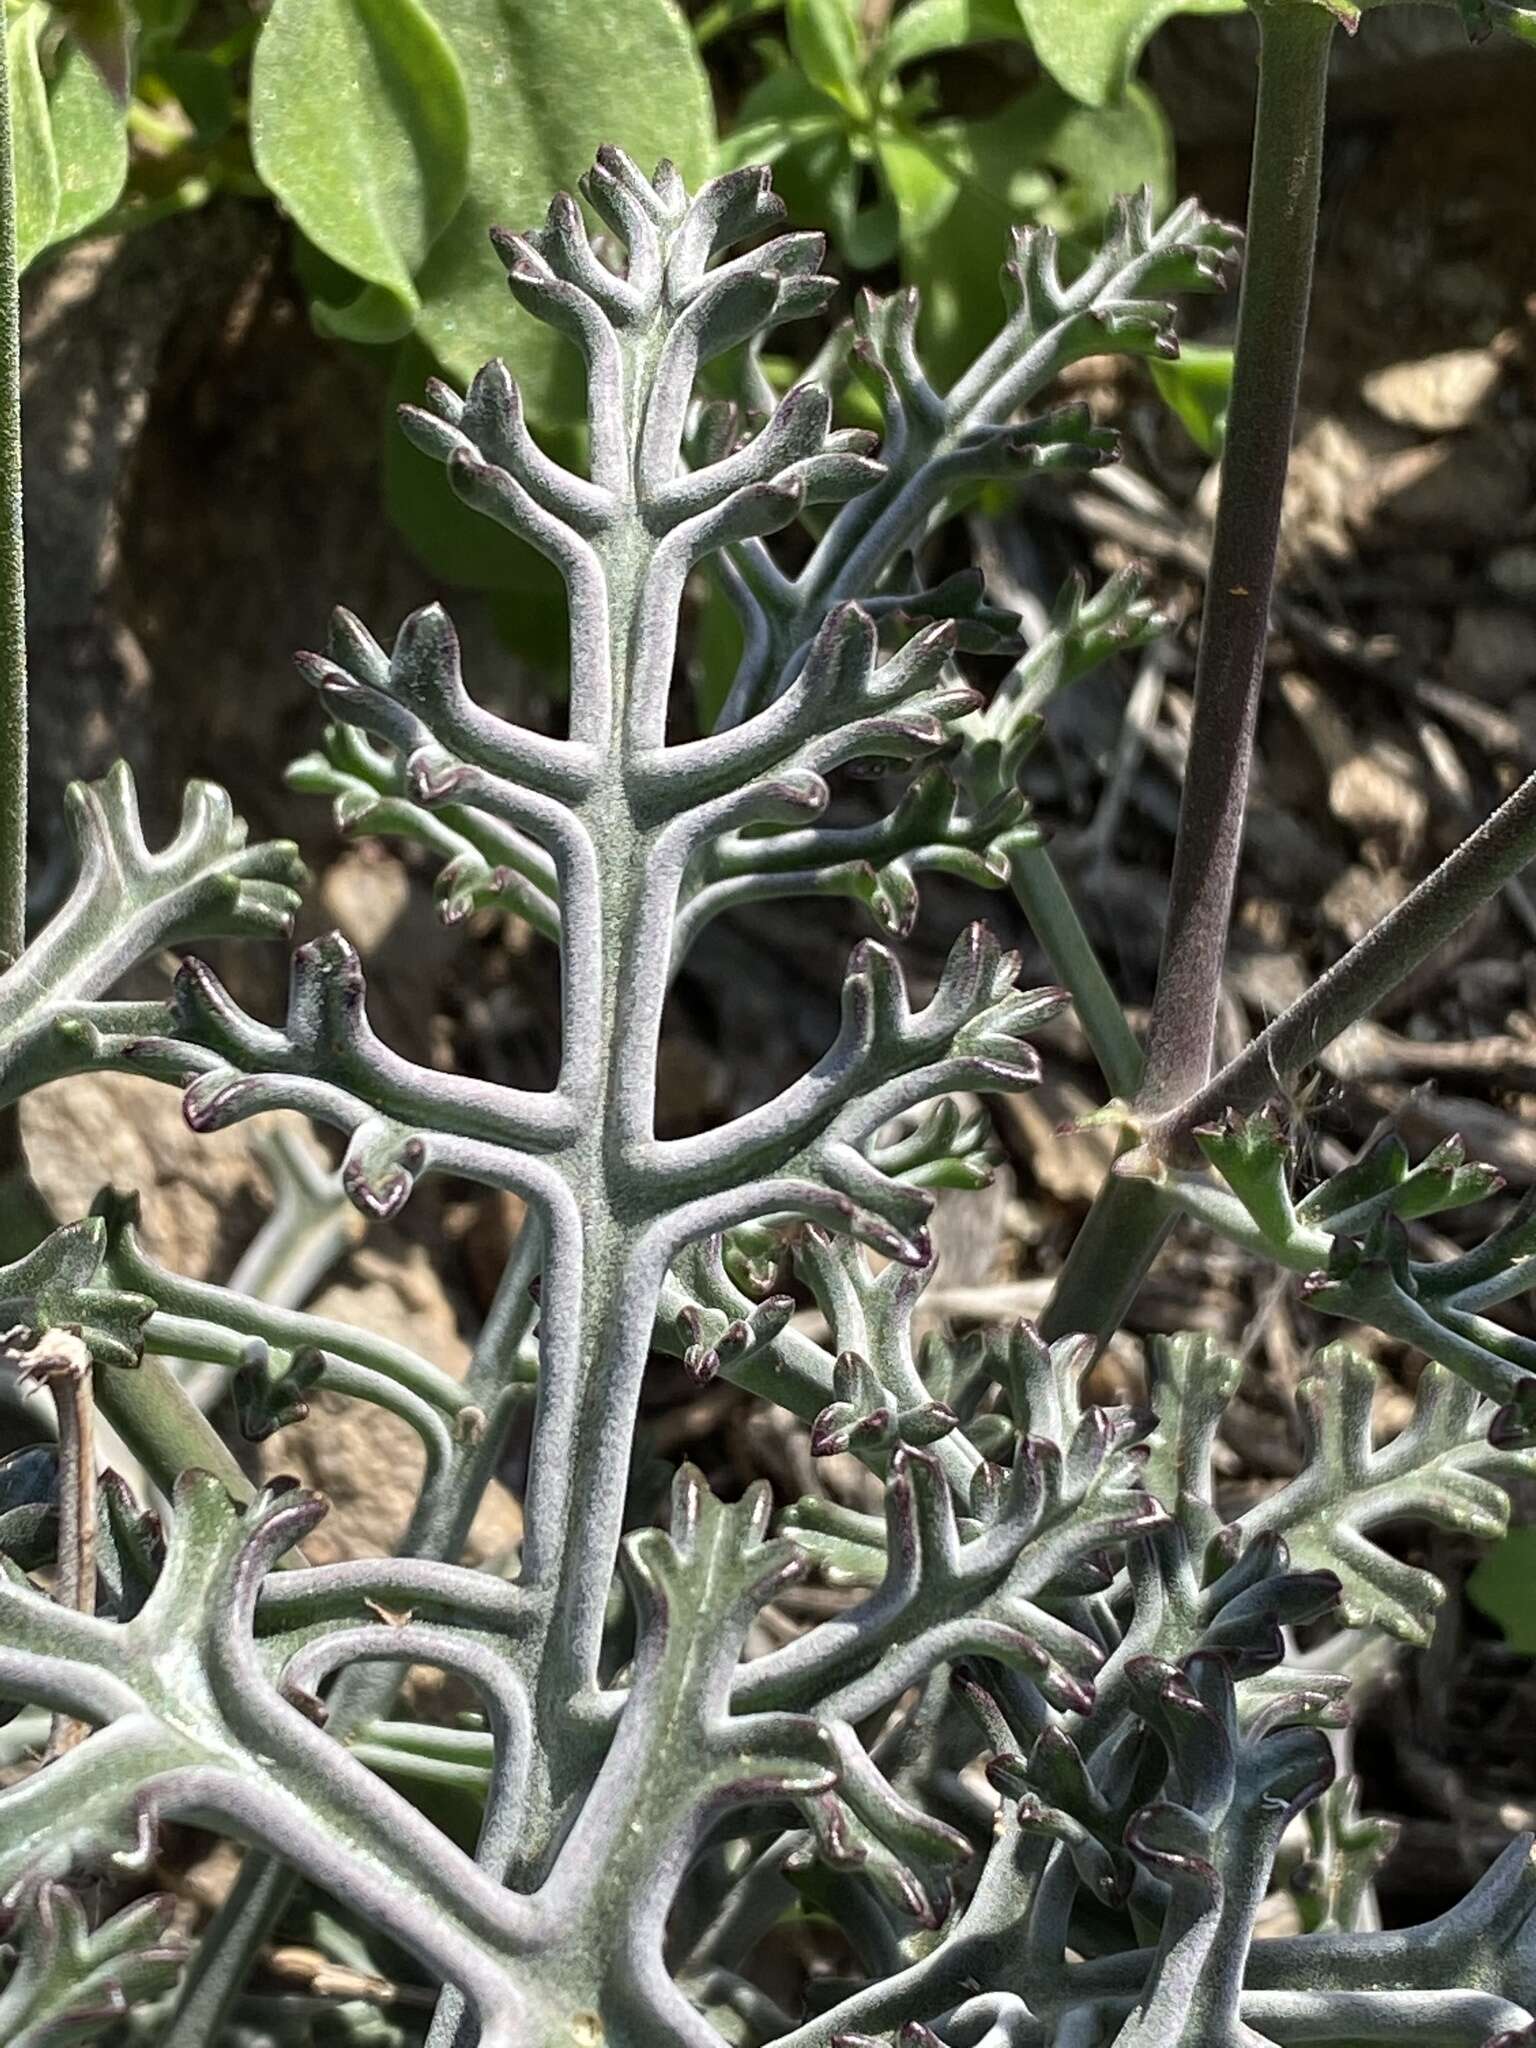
point(824, 41)
point(484, 866)
point(1363, 1197)
point(944, 191)
point(1515, 20)
point(1052, 1576)
point(360, 126)
point(129, 1548)
point(275, 1353)
point(1043, 158)
point(1190, 1382)
point(929, 26)
point(1254, 1160)
point(547, 85)
point(1084, 631)
point(103, 31)
point(1197, 389)
point(90, 140)
point(64, 1284)
point(1332, 1886)
point(1092, 49)
point(932, 829)
point(34, 156)
point(1376, 1282)
point(988, 1583)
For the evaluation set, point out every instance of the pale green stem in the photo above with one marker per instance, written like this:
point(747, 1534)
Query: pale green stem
point(165, 1429)
point(1076, 965)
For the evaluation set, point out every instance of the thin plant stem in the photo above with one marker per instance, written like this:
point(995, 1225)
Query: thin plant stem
point(1271, 330)
point(165, 1429)
point(63, 1364)
point(1076, 965)
point(1124, 1230)
point(1123, 1205)
point(13, 635)
point(1098, 1282)
point(1496, 852)
point(71, 1390)
point(221, 1961)
point(13, 600)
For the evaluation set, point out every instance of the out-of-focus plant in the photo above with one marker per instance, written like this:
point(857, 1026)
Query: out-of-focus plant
point(1504, 1586)
point(850, 115)
point(1197, 388)
point(388, 131)
point(391, 134)
point(69, 93)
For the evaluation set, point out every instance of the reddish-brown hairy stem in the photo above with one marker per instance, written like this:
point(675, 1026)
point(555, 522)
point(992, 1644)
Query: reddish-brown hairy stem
point(1496, 852)
point(1271, 330)
point(1121, 1236)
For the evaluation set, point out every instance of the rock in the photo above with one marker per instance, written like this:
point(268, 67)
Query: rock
point(1392, 1410)
point(1468, 488)
point(491, 1227)
point(1437, 394)
point(968, 1230)
point(1379, 796)
point(1493, 651)
point(1513, 572)
point(203, 1196)
point(1375, 787)
point(366, 892)
point(203, 1888)
point(1359, 900)
point(367, 1462)
point(406, 950)
point(1328, 479)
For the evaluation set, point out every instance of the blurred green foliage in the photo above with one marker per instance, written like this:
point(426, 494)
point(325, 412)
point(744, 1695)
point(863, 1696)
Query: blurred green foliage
point(866, 144)
point(1503, 1585)
point(393, 133)
point(1197, 388)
